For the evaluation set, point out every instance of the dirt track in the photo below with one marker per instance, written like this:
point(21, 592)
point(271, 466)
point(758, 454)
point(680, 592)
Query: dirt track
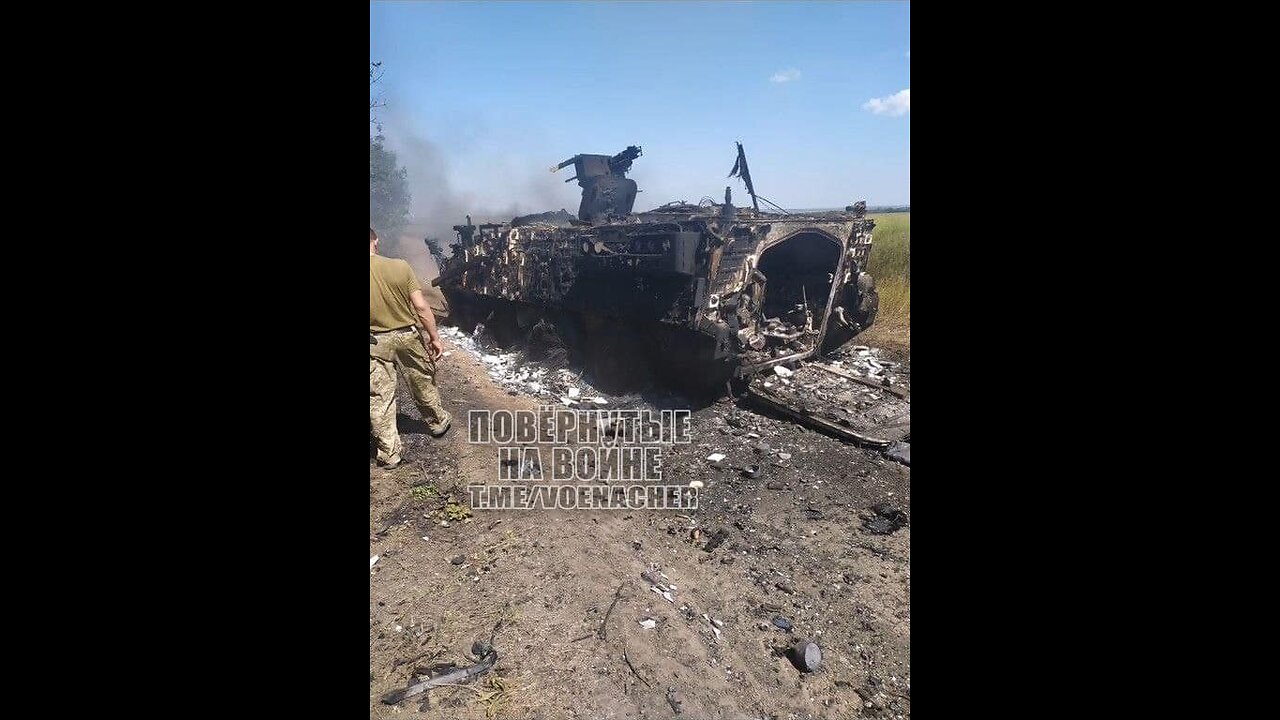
point(794, 547)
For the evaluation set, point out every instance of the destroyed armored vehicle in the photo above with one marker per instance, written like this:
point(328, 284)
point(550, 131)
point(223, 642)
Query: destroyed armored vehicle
point(706, 291)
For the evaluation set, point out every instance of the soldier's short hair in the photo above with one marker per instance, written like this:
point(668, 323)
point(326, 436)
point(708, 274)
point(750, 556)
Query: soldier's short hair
point(372, 235)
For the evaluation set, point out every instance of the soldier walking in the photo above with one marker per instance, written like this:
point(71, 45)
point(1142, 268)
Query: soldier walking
point(396, 309)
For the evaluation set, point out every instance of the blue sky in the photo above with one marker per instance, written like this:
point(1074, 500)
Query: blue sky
point(483, 97)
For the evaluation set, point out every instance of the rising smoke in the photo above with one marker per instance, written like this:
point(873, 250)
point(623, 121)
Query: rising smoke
point(438, 204)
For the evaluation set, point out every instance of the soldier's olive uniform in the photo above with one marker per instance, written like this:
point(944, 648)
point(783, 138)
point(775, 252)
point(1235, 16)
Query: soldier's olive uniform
point(397, 346)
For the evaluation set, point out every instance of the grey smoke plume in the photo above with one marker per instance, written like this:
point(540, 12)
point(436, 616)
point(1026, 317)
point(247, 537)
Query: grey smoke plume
point(438, 204)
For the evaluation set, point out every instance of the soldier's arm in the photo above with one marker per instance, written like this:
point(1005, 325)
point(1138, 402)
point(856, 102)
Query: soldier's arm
point(428, 320)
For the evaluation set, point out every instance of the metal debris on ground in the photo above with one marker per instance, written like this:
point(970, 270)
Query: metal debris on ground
point(488, 656)
point(887, 520)
point(514, 372)
point(836, 403)
point(807, 656)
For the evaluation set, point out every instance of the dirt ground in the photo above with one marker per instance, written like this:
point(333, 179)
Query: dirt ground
point(790, 549)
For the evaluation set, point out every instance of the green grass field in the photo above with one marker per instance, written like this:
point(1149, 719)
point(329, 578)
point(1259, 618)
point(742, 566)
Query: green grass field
point(890, 265)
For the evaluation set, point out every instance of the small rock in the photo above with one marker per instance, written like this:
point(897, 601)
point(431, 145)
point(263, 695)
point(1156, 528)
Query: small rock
point(900, 451)
point(782, 622)
point(776, 485)
point(782, 372)
point(716, 457)
point(786, 587)
point(676, 701)
point(458, 559)
point(648, 624)
point(784, 456)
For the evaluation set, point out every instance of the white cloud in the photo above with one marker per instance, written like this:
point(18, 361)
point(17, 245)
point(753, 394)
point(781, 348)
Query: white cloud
point(896, 104)
point(785, 76)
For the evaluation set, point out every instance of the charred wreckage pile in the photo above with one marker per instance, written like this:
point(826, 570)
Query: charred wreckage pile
point(704, 293)
point(712, 290)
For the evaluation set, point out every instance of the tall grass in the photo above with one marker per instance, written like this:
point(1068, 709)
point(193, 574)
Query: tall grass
point(890, 265)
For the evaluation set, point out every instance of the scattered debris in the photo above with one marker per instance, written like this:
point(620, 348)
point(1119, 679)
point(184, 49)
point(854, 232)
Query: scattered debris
point(887, 520)
point(783, 372)
point(717, 539)
point(522, 375)
point(648, 624)
point(488, 657)
point(634, 671)
point(716, 457)
point(603, 632)
point(372, 560)
point(676, 700)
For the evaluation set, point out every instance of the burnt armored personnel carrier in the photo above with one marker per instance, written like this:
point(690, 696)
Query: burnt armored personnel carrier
point(705, 291)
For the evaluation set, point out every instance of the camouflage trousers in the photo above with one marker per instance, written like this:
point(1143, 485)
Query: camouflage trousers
point(400, 350)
